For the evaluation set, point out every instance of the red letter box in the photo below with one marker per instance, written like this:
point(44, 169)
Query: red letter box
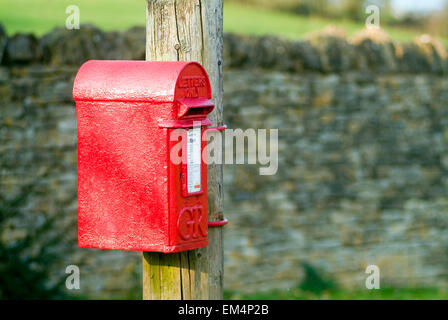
point(131, 195)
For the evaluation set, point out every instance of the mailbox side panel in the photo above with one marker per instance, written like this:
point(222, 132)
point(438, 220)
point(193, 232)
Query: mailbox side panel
point(122, 176)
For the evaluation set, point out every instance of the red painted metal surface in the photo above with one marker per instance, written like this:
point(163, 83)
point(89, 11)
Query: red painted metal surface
point(131, 196)
point(218, 223)
point(217, 129)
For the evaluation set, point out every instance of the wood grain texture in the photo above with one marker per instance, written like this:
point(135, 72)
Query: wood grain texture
point(151, 276)
point(189, 30)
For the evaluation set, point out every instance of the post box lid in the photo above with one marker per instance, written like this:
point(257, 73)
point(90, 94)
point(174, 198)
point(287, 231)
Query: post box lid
point(146, 81)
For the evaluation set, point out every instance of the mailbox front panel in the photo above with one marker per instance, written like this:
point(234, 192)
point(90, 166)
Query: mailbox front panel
point(188, 193)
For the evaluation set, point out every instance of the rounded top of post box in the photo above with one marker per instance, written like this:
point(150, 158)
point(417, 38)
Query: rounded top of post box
point(145, 81)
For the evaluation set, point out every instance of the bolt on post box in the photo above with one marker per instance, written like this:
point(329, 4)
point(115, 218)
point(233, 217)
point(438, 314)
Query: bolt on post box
point(131, 194)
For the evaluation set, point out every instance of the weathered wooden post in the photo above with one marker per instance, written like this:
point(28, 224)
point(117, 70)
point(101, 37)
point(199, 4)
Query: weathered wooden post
point(189, 30)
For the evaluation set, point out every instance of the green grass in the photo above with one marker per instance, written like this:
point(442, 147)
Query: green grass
point(40, 16)
point(262, 22)
point(381, 294)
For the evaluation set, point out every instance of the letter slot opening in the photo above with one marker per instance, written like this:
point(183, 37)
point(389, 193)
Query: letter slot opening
point(194, 108)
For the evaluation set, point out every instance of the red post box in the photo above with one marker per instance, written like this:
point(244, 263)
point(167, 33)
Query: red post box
point(131, 195)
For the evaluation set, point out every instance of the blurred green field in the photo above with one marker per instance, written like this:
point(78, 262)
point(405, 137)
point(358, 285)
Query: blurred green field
point(381, 294)
point(40, 16)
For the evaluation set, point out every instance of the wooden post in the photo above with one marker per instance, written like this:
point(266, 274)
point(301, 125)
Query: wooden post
point(189, 30)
